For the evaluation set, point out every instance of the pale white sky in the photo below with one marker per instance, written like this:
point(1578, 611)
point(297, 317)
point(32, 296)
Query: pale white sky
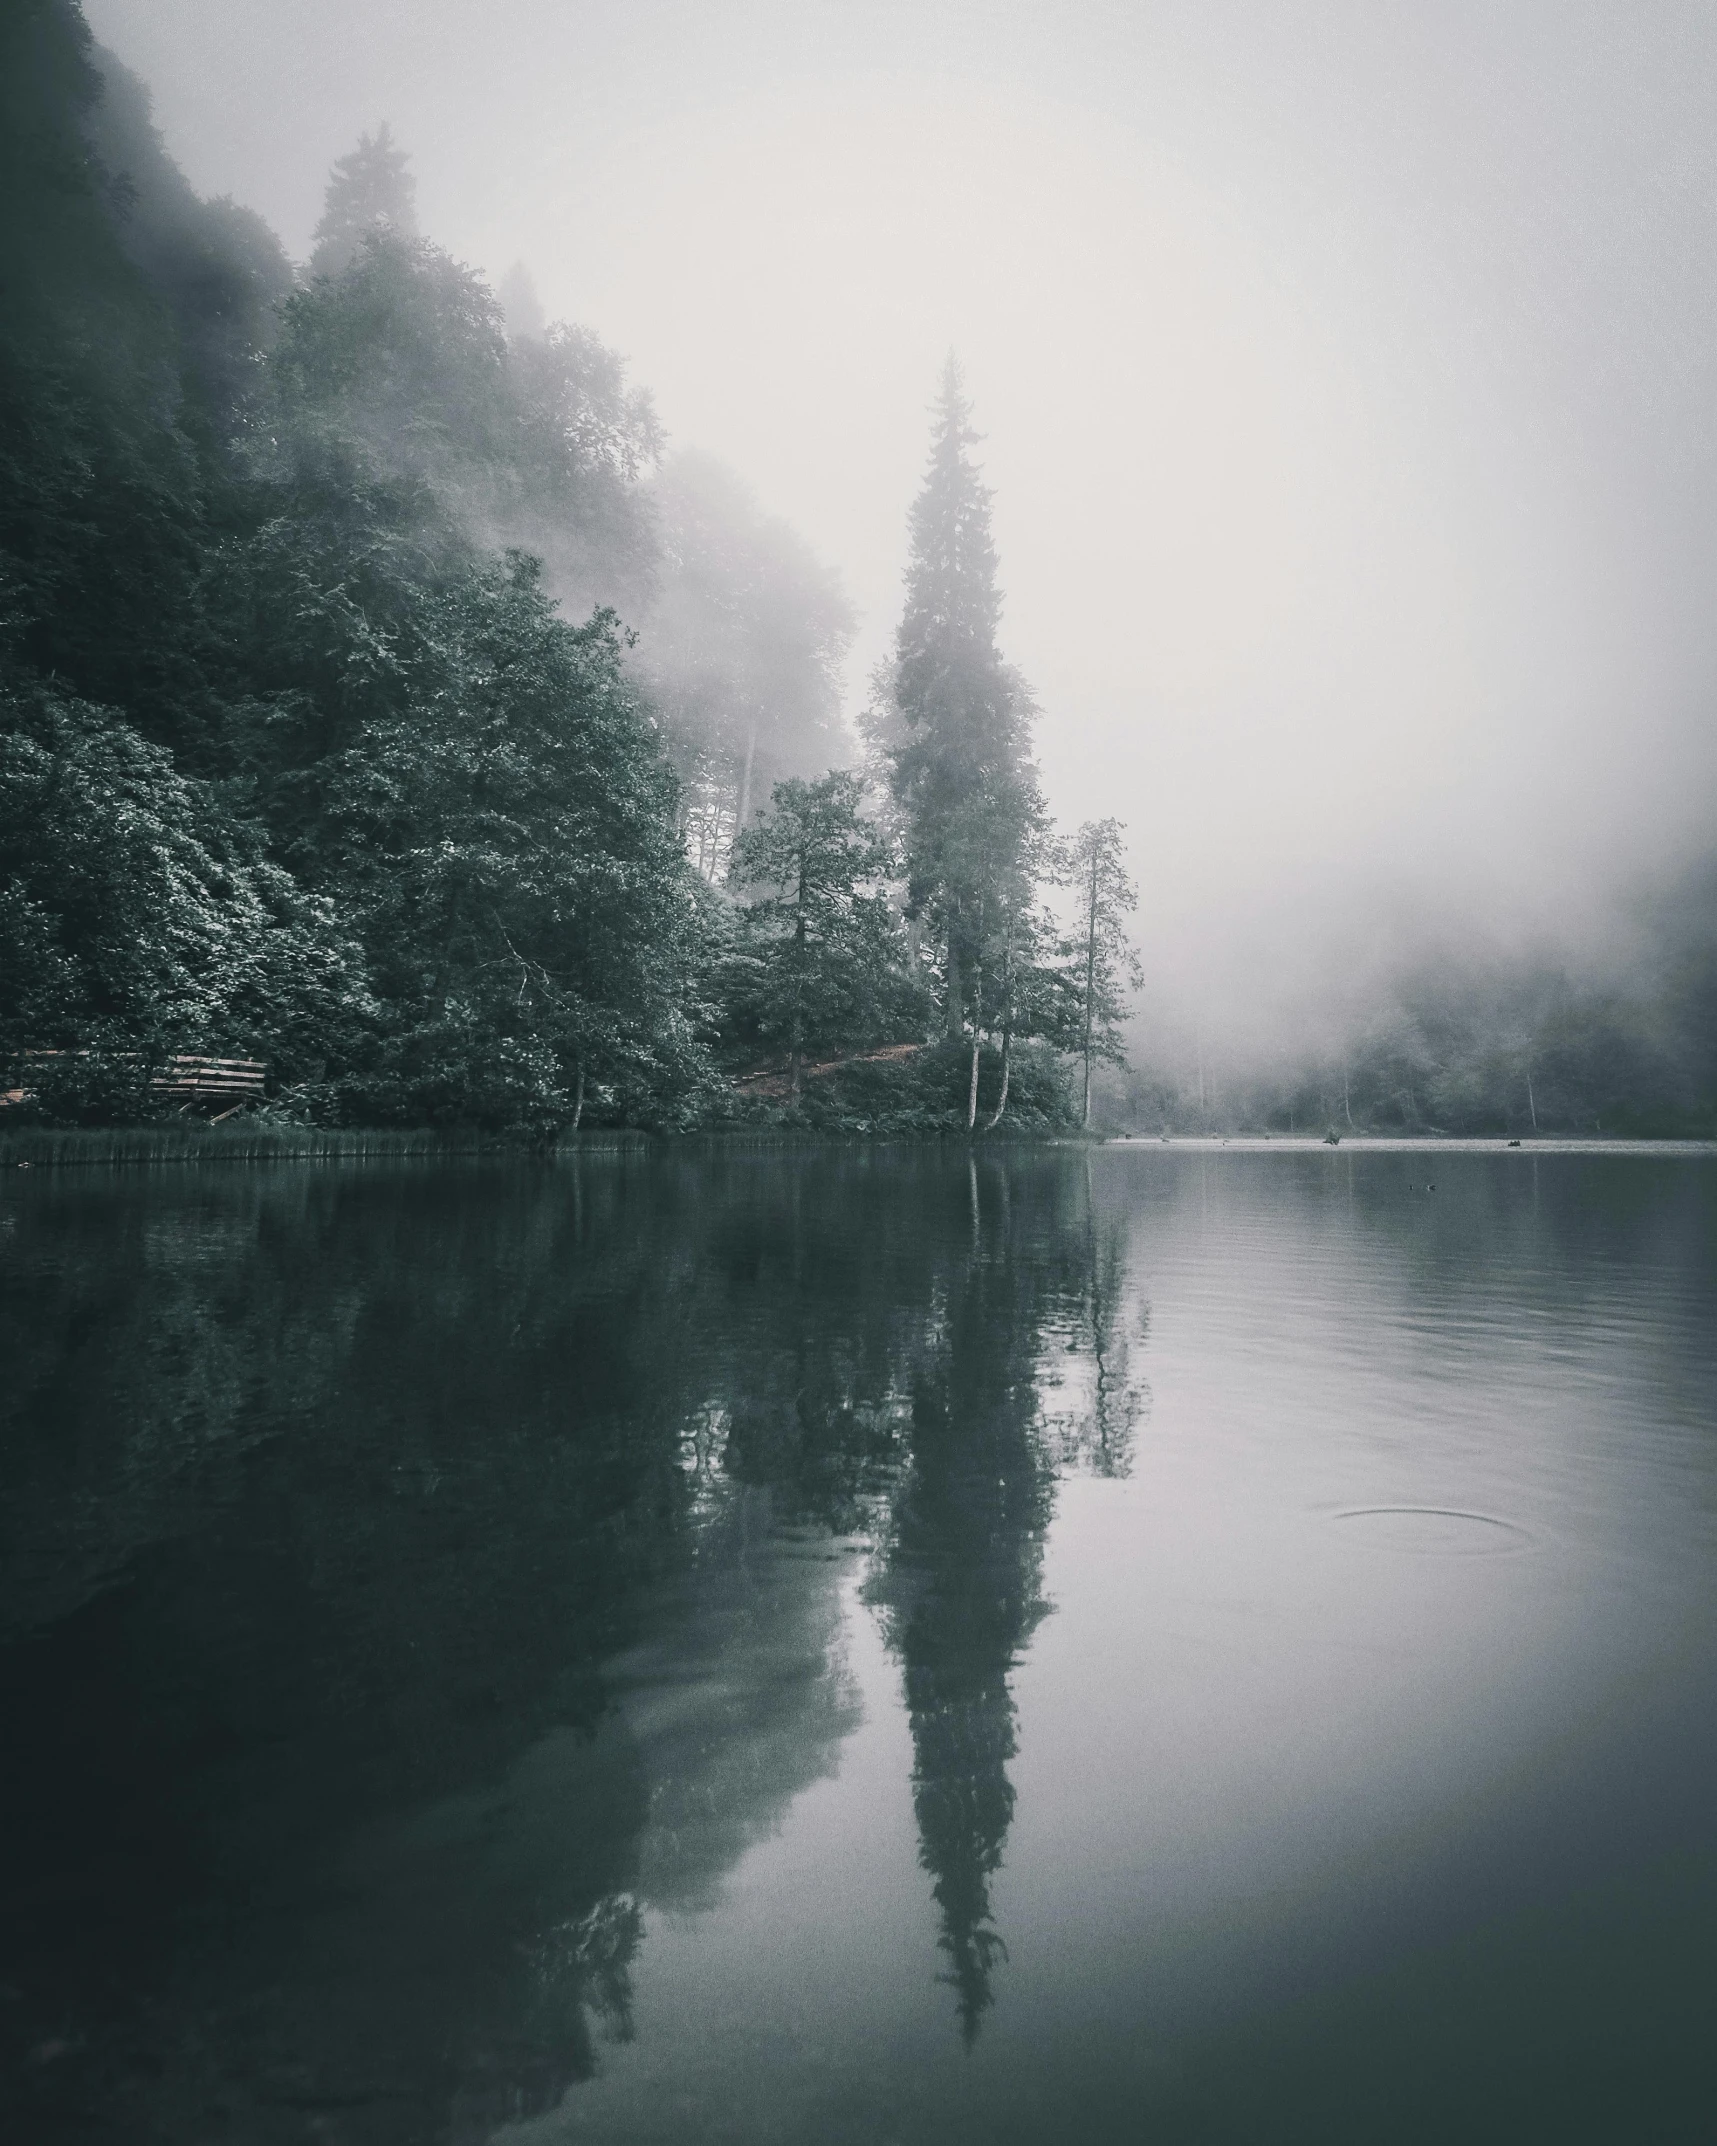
point(1347, 369)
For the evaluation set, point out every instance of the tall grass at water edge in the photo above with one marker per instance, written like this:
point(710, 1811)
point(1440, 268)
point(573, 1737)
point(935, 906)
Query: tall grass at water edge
point(47, 1147)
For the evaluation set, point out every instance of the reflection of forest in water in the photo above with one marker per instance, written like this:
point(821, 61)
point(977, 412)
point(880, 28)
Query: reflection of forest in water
point(410, 1577)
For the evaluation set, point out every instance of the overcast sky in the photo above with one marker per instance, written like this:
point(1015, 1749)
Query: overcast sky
point(1347, 366)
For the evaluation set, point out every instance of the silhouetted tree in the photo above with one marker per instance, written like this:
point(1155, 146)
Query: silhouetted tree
point(1103, 957)
point(954, 727)
point(370, 190)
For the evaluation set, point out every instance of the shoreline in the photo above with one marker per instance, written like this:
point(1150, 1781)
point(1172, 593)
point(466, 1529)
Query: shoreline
point(132, 1146)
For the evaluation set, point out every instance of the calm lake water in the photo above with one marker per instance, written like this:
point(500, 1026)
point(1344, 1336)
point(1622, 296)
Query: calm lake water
point(1145, 1644)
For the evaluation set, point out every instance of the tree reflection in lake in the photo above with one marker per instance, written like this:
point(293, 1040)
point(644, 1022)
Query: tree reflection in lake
point(415, 1577)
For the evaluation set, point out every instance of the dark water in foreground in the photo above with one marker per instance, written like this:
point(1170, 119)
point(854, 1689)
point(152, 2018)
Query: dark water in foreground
point(861, 1647)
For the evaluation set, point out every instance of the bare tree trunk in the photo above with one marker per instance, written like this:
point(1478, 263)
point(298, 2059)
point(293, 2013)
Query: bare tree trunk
point(1002, 1099)
point(1090, 982)
point(1345, 1104)
point(1007, 1031)
point(1531, 1106)
point(977, 1041)
point(799, 976)
point(578, 1097)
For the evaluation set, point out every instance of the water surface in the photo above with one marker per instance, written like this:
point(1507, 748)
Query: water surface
point(860, 1646)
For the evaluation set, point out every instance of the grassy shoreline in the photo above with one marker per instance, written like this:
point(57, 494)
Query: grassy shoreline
point(59, 1148)
point(47, 1147)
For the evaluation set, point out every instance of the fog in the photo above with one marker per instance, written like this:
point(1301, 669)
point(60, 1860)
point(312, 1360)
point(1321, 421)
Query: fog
point(1346, 371)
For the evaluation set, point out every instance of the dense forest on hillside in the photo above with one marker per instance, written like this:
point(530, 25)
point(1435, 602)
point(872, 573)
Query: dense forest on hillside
point(380, 698)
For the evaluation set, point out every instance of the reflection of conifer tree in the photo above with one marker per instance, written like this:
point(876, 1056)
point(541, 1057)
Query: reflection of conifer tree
point(961, 1592)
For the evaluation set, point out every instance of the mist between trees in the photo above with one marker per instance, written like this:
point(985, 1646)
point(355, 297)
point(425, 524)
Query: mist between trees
point(381, 696)
point(383, 700)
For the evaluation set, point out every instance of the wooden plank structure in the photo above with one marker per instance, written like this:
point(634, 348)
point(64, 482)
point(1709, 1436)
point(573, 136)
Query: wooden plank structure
point(230, 1082)
point(193, 1082)
point(776, 1081)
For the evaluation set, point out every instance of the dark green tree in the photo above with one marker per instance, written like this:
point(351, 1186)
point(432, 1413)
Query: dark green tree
point(501, 829)
point(819, 957)
point(101, 486)
point(954, 727)
point(138, 919)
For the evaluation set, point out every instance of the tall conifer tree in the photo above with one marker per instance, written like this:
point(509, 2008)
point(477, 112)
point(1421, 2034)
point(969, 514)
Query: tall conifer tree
point(960, 748)
point(371, 189)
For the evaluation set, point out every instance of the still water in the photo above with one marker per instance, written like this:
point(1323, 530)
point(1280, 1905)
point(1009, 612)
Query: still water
point(872, 1647)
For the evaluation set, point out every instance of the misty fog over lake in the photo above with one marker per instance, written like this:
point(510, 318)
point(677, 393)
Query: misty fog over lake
point(858, 1072)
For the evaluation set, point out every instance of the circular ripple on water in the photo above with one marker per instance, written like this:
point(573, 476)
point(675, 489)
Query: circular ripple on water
point(1434, 1530)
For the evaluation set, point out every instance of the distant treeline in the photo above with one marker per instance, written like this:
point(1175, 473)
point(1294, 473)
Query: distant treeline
point(377, 698)
point(1466, 1041)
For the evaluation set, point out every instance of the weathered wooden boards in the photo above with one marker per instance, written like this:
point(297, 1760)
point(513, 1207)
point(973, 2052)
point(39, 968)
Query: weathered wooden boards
point(222, 1085)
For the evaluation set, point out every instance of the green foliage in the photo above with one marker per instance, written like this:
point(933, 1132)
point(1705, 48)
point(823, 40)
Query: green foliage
point(925, 1095)
point(953, 725)
point(818, 962)
point(138, 918)
point(299, 756)
point(505, 844)
point(100, 490)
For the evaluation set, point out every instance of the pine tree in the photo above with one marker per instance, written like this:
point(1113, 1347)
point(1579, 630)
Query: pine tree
point(370, 190)
point(959, 749)
point(1103, 961)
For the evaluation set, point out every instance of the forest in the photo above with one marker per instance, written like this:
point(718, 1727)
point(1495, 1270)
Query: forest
point(383, 700)
point(386, 702)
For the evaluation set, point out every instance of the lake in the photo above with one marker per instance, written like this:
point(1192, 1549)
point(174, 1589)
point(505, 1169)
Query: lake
point(1145, 1643)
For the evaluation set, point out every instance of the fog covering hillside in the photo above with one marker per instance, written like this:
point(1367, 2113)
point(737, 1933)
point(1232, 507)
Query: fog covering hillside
point(385, 696)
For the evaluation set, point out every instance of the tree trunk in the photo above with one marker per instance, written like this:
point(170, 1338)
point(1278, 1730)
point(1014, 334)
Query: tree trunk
point(1090, 982)
point(1002, 1099)
point(977, 1044)
point(578, 1097)
point(1531, 1106)
point(799, 975)
point(1345, 1104)
point(955, 1015)
point(1007, 1030)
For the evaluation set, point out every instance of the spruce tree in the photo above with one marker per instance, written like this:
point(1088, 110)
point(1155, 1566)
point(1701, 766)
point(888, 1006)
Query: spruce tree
point(961, 767)
point(370, 190)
